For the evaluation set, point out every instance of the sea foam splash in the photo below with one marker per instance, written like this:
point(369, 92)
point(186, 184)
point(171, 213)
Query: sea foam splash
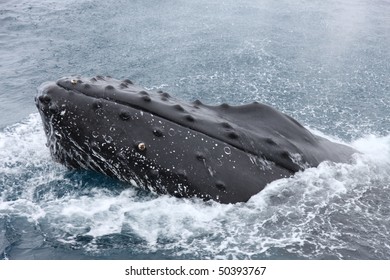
point(332, 211)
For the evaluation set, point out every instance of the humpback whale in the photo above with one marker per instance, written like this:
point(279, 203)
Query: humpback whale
point(148, 138)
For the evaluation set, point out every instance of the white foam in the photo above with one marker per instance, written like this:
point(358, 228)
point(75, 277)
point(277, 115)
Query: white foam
point(312, 214)
point(374, 148)
point(22, 142)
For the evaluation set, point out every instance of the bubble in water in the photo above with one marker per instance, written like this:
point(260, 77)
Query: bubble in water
point(171, 132)
point(95, 134)
point(107, 138)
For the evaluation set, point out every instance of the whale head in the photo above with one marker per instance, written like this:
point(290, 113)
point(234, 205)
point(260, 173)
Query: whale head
point(150, 139)
point(146, 138)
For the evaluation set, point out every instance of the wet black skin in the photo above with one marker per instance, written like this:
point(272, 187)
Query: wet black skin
point(150, 139)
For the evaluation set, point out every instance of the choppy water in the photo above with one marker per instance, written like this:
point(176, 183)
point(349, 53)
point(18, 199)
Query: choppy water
point(324, 62)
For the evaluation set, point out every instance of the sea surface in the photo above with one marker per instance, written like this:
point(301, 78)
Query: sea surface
point(324, 62)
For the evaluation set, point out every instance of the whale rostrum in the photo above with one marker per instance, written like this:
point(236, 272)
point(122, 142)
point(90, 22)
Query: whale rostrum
point(151, 139)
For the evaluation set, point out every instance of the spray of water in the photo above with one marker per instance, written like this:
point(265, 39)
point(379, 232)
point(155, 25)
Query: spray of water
point(333, 211)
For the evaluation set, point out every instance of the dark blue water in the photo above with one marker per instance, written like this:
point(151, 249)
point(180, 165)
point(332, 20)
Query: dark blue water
point(326, 63)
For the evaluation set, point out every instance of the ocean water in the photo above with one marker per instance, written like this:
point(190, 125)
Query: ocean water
point(326, 63)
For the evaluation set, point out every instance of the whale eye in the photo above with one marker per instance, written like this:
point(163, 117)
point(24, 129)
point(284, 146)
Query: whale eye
point(73, 81)
point(141, 146)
